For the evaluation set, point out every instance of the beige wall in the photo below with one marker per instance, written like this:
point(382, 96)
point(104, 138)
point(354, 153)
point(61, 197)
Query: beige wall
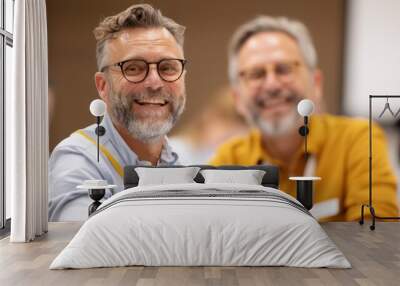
point(209, 26)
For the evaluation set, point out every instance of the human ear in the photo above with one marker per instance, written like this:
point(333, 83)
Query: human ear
point(239, 102)
point(102, 85)
point(318, 80)
point(318, 84)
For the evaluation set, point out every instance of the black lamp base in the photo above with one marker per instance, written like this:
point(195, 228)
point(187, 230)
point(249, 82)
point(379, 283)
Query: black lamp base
point(305, 190)
point(96, 195)
point(304, 193)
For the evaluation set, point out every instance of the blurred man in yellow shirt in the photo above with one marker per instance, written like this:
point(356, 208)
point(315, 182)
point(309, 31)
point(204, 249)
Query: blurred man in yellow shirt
point(272, 66)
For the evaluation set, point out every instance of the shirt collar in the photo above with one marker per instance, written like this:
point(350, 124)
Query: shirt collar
point(168, 156)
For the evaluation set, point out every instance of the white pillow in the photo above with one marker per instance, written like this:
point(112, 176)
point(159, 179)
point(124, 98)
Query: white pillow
point(163, 176)
point(248, 177)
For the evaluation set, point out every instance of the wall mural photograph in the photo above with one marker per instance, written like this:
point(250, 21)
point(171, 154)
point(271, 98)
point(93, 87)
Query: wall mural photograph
point(199, 143)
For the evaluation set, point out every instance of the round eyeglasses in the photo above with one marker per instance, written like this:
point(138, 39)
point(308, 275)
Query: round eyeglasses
point(136, 71)
point(284, 72)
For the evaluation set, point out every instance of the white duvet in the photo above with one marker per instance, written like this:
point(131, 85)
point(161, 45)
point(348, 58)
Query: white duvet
point(223, 224)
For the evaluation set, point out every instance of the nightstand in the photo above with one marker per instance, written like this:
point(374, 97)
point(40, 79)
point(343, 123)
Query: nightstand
point(304, 190)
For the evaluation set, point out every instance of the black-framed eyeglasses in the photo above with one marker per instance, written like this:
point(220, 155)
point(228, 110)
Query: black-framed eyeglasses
point(136, 70)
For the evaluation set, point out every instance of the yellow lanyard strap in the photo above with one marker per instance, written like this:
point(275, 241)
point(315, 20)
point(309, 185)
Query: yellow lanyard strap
point(117, 166)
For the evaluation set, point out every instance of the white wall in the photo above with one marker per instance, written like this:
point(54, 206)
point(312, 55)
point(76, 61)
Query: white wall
point(372, 65)
point(372, 61)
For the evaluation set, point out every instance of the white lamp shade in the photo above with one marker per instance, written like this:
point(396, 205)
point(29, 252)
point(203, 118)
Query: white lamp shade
point(305, 107)
point(97, 107)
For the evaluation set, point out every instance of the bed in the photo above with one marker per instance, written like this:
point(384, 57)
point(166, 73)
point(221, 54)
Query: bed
point(202, 222)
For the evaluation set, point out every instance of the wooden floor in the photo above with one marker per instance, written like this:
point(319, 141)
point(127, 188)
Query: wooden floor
point(374, 255)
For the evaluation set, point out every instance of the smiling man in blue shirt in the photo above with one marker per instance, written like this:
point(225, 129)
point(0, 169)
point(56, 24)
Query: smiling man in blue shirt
point(140, 77)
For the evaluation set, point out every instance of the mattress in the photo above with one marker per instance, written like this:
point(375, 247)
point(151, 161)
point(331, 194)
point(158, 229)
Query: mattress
point(201, 225)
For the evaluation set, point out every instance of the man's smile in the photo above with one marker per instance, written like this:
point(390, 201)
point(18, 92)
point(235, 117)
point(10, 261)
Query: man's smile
point(151, 107)
point(276, 105)
point(151, 101)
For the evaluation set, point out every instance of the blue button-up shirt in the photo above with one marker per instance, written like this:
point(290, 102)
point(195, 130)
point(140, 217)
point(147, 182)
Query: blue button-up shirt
point(74, 160)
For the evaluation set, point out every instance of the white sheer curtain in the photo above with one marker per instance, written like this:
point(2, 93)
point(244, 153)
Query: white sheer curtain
point(27, 123)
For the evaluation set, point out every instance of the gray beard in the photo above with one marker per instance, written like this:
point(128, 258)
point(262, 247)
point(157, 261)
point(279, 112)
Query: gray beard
point(278, 127)
point(150, 128)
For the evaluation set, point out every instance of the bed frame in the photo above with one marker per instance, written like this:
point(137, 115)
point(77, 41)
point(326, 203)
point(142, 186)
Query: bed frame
point(270, 179)
point(131, 178)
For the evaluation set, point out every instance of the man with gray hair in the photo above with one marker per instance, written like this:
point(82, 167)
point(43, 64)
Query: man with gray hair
point(272, 67)
point(141, 78)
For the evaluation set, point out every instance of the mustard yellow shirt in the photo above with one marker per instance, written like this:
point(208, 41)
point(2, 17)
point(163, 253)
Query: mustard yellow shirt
point(340, 146)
